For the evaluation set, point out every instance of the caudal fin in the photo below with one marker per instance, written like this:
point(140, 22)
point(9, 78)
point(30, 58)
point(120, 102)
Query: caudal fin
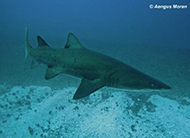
point(27, 44)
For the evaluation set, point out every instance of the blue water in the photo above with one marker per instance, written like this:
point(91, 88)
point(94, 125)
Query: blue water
point(155, 41)
point(123, 22)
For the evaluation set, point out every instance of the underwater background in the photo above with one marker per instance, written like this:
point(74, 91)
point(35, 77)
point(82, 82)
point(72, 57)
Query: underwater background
point(154, 41)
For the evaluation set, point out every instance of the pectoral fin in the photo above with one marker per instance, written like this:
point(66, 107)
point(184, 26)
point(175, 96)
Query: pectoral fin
point(52, 72)
point(87, 87)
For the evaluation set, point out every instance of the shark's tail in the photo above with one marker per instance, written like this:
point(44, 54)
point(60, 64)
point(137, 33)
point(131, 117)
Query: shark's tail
point(27, 44)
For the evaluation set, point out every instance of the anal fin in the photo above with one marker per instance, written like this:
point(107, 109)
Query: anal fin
point(87, 87)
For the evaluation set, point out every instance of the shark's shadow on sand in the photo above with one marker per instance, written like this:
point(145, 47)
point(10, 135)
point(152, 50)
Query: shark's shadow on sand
point(95, 69)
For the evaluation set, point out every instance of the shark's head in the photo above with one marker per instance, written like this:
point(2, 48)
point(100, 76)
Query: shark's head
point(142, 81)
point(151, 83)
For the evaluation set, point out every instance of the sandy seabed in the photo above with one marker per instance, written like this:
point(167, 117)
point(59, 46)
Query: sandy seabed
point(36, 111)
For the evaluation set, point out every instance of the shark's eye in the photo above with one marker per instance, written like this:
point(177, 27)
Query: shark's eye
point(152, 85)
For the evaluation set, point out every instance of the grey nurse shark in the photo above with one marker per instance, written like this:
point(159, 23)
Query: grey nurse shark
point(95, 69)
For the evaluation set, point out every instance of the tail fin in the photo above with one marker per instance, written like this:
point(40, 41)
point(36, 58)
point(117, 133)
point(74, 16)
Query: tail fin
point(27, 44)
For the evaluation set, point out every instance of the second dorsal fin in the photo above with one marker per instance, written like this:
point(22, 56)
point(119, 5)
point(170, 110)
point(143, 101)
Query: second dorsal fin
point(41, 42)
point(73, 42)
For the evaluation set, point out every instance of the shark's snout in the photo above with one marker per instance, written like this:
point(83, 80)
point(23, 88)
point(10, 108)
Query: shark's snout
point(143, 81)
point(159, 85)
point(155, 84)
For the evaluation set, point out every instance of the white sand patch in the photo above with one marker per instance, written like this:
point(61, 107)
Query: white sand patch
point(42, 112)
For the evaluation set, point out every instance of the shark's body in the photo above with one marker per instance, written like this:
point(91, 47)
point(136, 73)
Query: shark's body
point(95, 69)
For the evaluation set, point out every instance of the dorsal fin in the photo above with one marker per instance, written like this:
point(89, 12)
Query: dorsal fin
point(41, 42)
point(73, 42)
